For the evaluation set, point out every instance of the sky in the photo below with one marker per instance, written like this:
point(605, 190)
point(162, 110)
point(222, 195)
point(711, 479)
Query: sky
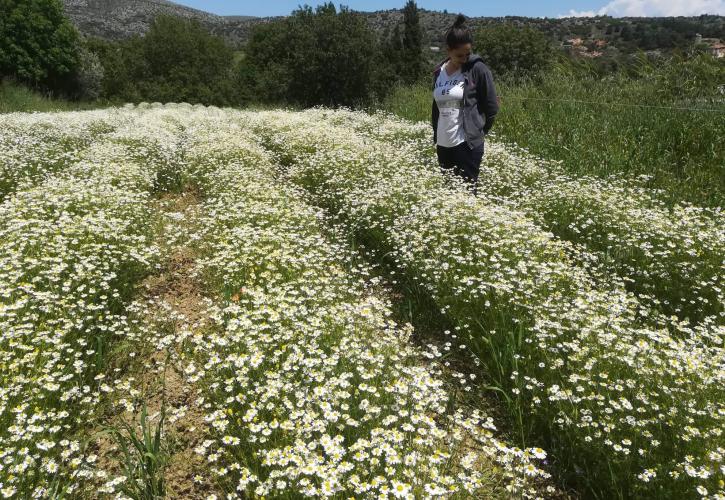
point(530, 8)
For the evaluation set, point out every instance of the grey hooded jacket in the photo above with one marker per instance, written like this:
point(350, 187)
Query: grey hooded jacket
point(480, 104)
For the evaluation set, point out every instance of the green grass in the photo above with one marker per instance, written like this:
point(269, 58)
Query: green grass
point(681, 152)
point(17, 98)
point(144, 456)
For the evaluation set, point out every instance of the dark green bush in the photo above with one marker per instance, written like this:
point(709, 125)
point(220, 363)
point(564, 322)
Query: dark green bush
point(38, 45)
point(312, 57)
point(176, 61)
point(512, 51)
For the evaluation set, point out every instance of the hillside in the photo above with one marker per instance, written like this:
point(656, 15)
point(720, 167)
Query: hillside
point(113, 19)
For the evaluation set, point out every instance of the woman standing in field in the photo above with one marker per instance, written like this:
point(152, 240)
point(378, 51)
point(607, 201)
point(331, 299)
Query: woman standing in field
point(464, 105)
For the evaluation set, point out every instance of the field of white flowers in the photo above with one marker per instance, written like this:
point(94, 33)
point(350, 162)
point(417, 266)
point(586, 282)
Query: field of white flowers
point(589, 314)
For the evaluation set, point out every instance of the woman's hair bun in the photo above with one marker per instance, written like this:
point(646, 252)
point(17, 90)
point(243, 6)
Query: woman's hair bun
point(459, 34)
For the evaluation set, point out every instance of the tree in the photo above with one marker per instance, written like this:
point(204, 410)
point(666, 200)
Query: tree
point(313, 57)
point(124, 66)
point(412, 53)
point(177, 60)
point(186, 63)
point(89, 75)
point(391, 51)
point(514, 52)
point(402, 58)
point(38, 44)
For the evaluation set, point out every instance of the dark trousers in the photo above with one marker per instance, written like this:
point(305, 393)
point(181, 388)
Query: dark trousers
point(462, 160)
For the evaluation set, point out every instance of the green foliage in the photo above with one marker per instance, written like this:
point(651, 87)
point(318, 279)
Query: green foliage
point(677, 78)
point(123, 66)
point(628, 34)
point(89, 75)
point(185, 63)
point(412, 66)
point(177, 61)
point(598, 125)
point(261, 73)
point(512, 51)
point(144, 457)
point(312, 57)
point(38, 45)
point(665, 33)
point(401, 59)
point(389, 64)
point(15, 97)
point(412, 102)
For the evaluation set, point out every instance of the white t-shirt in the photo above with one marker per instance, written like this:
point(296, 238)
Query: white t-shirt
point(448, 94)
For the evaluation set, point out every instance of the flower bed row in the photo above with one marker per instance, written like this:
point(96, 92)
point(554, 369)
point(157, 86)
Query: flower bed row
point(36, 146)
point(625, 408)
point(312, 389)
point(71, 251)
point(673, 258)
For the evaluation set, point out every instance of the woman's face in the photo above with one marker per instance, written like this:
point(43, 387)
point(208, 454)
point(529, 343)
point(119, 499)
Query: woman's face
point(460, 54)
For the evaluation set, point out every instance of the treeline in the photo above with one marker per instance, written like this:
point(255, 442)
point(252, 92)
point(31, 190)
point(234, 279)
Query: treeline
point(40, 47)
point(337, 59)
point(176, 61)
point(519, 55)
point(628, 34)
point(323, 56)
point(669, 34)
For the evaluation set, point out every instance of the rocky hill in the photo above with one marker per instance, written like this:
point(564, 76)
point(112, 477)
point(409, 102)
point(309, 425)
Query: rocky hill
point(114, 19)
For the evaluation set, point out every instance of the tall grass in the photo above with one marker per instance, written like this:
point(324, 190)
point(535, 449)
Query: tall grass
point(621, 129)
point(17, 98)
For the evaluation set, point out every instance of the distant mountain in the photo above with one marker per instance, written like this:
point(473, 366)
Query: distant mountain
point(114, 19)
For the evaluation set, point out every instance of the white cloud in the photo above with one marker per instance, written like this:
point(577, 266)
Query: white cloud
point(653, 8)
point(581, 13)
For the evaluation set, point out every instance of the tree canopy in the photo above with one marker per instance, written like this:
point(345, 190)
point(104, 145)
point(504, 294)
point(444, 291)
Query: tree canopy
point(513, 51)
point(177, 60)
point(319, 56)
point(38, 44)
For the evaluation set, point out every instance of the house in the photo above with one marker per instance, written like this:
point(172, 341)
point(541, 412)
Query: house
point(717, 50)
point(713, 45)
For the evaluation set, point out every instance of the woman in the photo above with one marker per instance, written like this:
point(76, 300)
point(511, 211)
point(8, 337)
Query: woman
point(464, 105)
